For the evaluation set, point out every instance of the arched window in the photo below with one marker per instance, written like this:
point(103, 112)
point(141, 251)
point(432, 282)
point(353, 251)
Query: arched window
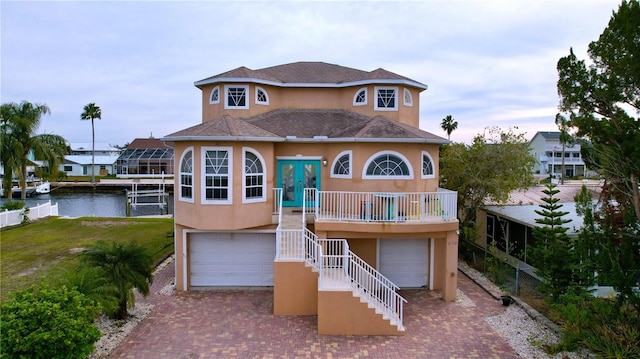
point(387, 165)
point(254, 185)
point(186, 176)
point(428, 168)
point(408, 99)
point(341, 167)
point(215, 95)
point(360, 98)
point(262, 98)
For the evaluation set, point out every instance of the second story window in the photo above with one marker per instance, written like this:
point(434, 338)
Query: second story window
point(387, 165)
point(386, 99)
point(216, 175)
point(341, 167)
point(186, 176)
point(261, 96)
point(360, 98)
point(428, 170)
point(215, 95)
point(236, 97)
point(254, 177)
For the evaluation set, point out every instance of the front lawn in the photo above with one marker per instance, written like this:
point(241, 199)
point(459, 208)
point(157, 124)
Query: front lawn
point(43, 249)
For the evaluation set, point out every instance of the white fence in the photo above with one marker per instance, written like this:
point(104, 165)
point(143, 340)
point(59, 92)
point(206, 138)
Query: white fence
point(12, 218)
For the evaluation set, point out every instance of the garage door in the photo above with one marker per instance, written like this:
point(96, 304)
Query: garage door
point(405, 261)
point(232, 259)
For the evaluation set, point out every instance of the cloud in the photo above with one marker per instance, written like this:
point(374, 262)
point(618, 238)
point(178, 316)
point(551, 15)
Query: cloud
point(485, 62)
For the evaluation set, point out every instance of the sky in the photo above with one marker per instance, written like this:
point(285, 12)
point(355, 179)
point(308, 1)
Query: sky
point(486, 63)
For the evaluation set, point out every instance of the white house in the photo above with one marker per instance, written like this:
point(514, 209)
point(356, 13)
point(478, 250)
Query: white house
point(547, 149)
point(78, 162)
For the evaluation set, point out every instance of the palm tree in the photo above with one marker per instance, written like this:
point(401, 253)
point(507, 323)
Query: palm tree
point(125, 265)
point(449, 124)
point(18, 124)
point(92, 112)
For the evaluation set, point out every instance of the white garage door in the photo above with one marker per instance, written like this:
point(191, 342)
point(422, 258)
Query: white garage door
point(405, 261)
point(232, 259)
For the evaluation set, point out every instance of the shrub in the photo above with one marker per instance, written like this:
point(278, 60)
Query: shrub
point(48, 323)
point(13, 205)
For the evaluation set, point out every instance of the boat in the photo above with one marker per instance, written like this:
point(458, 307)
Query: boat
point(43, 188)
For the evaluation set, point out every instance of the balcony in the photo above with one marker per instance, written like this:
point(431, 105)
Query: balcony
point(382, 207)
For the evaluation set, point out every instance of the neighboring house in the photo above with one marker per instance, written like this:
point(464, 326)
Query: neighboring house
point(145, 157)
point(323, 168)
point(78, 161)
point(547, 149)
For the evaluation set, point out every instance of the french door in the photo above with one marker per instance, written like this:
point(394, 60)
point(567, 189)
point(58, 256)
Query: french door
point(296, 175)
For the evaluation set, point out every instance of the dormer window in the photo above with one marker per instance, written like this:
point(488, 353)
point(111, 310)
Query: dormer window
point(408, 99)
point(236, 97)
point(386, 99)
point(360, 99)
point(215, 95)
point(261, 96)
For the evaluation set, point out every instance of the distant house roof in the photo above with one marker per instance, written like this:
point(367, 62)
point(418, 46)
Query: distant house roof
point(548, 135)
point(87, 160)
point(147, 143)
point(311, 74)
point(306, 125)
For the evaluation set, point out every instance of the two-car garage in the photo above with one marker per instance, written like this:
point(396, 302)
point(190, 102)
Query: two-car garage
point(231, 258)
point(219, 259)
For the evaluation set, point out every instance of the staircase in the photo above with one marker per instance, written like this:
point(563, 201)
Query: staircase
point(338, 268)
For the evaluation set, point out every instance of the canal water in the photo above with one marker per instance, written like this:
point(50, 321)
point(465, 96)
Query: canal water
point(80, 204)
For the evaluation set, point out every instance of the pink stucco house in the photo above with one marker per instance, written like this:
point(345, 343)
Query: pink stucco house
point(314, 179)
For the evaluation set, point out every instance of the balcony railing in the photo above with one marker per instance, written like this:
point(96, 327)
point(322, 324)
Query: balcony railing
point(396, 207)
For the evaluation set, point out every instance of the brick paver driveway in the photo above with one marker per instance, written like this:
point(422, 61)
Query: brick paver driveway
point(240, 324)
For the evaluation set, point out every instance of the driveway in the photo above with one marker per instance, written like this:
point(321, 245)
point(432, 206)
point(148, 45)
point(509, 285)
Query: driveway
point(240, 324)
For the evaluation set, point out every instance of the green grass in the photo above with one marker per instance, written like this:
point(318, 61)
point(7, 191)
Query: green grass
point(43, 249)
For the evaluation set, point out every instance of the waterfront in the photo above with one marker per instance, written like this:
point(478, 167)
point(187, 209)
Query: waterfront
point(79, 204)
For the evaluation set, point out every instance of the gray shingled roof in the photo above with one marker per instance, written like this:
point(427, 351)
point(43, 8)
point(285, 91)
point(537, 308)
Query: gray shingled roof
point(307, 124)
point(225, 127)
point(311, 73)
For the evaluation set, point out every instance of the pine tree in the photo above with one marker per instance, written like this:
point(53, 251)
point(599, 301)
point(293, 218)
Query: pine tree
point(553, 253)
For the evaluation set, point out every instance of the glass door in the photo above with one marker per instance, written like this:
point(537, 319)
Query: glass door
point(296, 175)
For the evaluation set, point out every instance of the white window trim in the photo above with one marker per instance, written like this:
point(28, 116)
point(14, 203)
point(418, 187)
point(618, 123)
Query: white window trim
point(212, 102)
point(381, 153)
point(335, 162)
point(203, 192)
point(244, 174)
point(404, 98)
point(226, 96)
point(433, 164)
point(266, 94)
point(193, 192)
point(375, 103)
point(366, 97)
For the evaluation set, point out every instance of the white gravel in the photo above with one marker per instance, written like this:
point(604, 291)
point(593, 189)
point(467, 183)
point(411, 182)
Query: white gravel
point(524, 334)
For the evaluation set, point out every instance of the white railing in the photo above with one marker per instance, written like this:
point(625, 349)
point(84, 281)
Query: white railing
point(15, 217)
point(338, 267)
point(394, 207)
point(342, 269)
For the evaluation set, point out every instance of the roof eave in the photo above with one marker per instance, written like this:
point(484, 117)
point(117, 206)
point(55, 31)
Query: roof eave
point(311, 85)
